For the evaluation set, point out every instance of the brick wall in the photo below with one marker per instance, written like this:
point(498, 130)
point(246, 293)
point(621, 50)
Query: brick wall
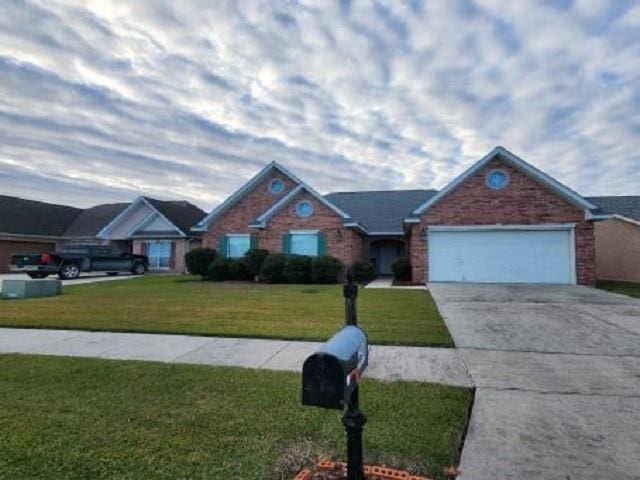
point(523, 201)
point(618, 250)
point(9, 247)
point(342, 243)
point(248, 208)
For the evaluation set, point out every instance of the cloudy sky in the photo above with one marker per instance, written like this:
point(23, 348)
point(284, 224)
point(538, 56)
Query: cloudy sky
point(102, 101)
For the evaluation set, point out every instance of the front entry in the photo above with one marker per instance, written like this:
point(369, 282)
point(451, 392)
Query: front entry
point(384, 253)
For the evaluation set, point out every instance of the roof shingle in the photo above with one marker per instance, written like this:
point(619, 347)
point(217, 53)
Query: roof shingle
point(627, 206)
point(29, 217)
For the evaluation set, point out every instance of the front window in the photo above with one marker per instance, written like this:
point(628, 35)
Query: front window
point(159, 254)
point(304, 244)
point(238, 245)
point(304, 209)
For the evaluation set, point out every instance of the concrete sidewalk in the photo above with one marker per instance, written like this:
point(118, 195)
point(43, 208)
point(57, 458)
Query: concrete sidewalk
point(83, 279)
point(438, 365)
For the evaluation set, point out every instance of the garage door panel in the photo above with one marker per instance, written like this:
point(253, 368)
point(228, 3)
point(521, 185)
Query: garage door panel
point(501, 256)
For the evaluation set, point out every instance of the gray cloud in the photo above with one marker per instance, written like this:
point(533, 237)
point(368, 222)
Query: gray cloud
point(101, 101)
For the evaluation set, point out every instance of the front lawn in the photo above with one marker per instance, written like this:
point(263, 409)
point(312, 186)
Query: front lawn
point(179, 304)
point(626, 288)
point(69, 418)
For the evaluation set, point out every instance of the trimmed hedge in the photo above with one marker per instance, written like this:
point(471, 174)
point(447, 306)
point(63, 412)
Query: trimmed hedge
point(272, 270)
point(255, 258)
point(218, 271)
point(401, 268)
point(239, 269)
point(325, 269)
point(363, 272)
point(297, 269)
point(198, 260)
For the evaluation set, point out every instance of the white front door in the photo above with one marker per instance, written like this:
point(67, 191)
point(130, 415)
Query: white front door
point(501, 256)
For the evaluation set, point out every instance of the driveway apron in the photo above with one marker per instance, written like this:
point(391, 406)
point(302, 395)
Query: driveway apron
point(557, 376)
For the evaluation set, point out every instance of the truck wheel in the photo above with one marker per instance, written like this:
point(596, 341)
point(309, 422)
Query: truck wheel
point(139, 268)
point(38, 275)
point(69, 271)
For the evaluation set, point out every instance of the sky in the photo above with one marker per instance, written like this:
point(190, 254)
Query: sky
point(104, 101)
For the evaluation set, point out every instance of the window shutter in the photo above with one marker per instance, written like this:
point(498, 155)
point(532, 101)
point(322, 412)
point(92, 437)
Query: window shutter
point(286, 243)
point(322, 244)
point(222, 246)
point(172, 258)
point(253, 242)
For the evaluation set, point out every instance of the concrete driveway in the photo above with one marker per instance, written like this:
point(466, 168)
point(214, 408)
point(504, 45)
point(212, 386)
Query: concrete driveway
point(557, 372)
point(84, 278)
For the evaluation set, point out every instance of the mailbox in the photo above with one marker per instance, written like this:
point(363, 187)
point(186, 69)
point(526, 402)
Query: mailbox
point(330, 375)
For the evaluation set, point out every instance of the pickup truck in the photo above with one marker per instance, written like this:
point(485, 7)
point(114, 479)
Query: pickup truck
point(71, 260)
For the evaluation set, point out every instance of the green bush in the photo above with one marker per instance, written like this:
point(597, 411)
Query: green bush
point(325, 269)
point(297, 269)
point(219, 270)
point(239, 269)
point(363, 272)
point(401, 268)
point(255, 258)
point(199, 259)
point(272, 270)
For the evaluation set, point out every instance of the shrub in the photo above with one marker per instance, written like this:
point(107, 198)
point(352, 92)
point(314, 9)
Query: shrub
point(325, 269)
point(219, 270)
point(363, 272)
point(272, 270)
point(255, 258)
point(239, 269)
point(199, 259)
point(297, 269)
point(401, 268)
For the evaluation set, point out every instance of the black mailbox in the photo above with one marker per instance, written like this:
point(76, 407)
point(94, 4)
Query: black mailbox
point(330, 375)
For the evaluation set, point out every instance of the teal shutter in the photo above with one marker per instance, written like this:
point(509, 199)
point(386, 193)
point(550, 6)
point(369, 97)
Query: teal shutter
point(222, 246)
point(286, 243)
point(253, 242)
point(322, 244)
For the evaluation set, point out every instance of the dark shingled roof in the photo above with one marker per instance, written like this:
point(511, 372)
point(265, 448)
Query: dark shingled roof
point(94, 219)
point(29, 217)
point(380, 211)
point(181, 213)
point(627, 206)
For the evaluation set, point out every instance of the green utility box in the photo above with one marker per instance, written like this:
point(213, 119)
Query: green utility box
point(30, 288)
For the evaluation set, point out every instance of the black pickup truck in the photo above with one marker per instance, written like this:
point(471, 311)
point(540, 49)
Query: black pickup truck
point(71, 260)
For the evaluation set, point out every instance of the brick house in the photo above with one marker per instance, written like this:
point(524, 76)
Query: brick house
point(502, 220)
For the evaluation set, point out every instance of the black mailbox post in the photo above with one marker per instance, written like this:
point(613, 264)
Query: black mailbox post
point(331, 375)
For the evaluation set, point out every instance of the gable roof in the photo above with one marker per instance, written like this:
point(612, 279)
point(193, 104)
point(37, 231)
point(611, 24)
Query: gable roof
point(261, 221)
point(181, 214)
point(29, 217)
point(93, 219)
point(562, 190)
point(623, 206)
point(242, 191)
point(381, 212)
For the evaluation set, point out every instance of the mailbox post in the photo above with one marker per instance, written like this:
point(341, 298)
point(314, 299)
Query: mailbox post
point(330, 378)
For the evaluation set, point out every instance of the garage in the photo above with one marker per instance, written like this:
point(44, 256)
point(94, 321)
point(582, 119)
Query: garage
point(497, 254)
point(8, 248)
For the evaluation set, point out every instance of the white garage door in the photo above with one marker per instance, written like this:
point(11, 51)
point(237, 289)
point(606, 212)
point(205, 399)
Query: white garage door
point(501, 256)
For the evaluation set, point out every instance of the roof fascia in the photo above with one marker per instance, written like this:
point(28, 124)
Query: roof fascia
point(102, 234)
point(163, 216)
point(626, 219)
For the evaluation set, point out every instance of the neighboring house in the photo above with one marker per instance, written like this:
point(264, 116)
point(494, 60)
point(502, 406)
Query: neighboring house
point(28, 226)
point(502, 220)
point(158, 229)
point(618, 238)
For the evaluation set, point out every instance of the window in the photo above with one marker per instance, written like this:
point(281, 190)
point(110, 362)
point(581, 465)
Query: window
point(238, 245)
point(276, 186)
point(159, 253)
point(304, 209)
point(497, 179)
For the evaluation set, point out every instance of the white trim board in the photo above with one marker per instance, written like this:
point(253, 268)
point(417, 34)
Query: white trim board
point(471, 228)
point(516, 162)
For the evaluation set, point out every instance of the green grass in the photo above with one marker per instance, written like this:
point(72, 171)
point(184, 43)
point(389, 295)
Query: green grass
point(626, 288)
point(69, 418)
point(178, 304)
